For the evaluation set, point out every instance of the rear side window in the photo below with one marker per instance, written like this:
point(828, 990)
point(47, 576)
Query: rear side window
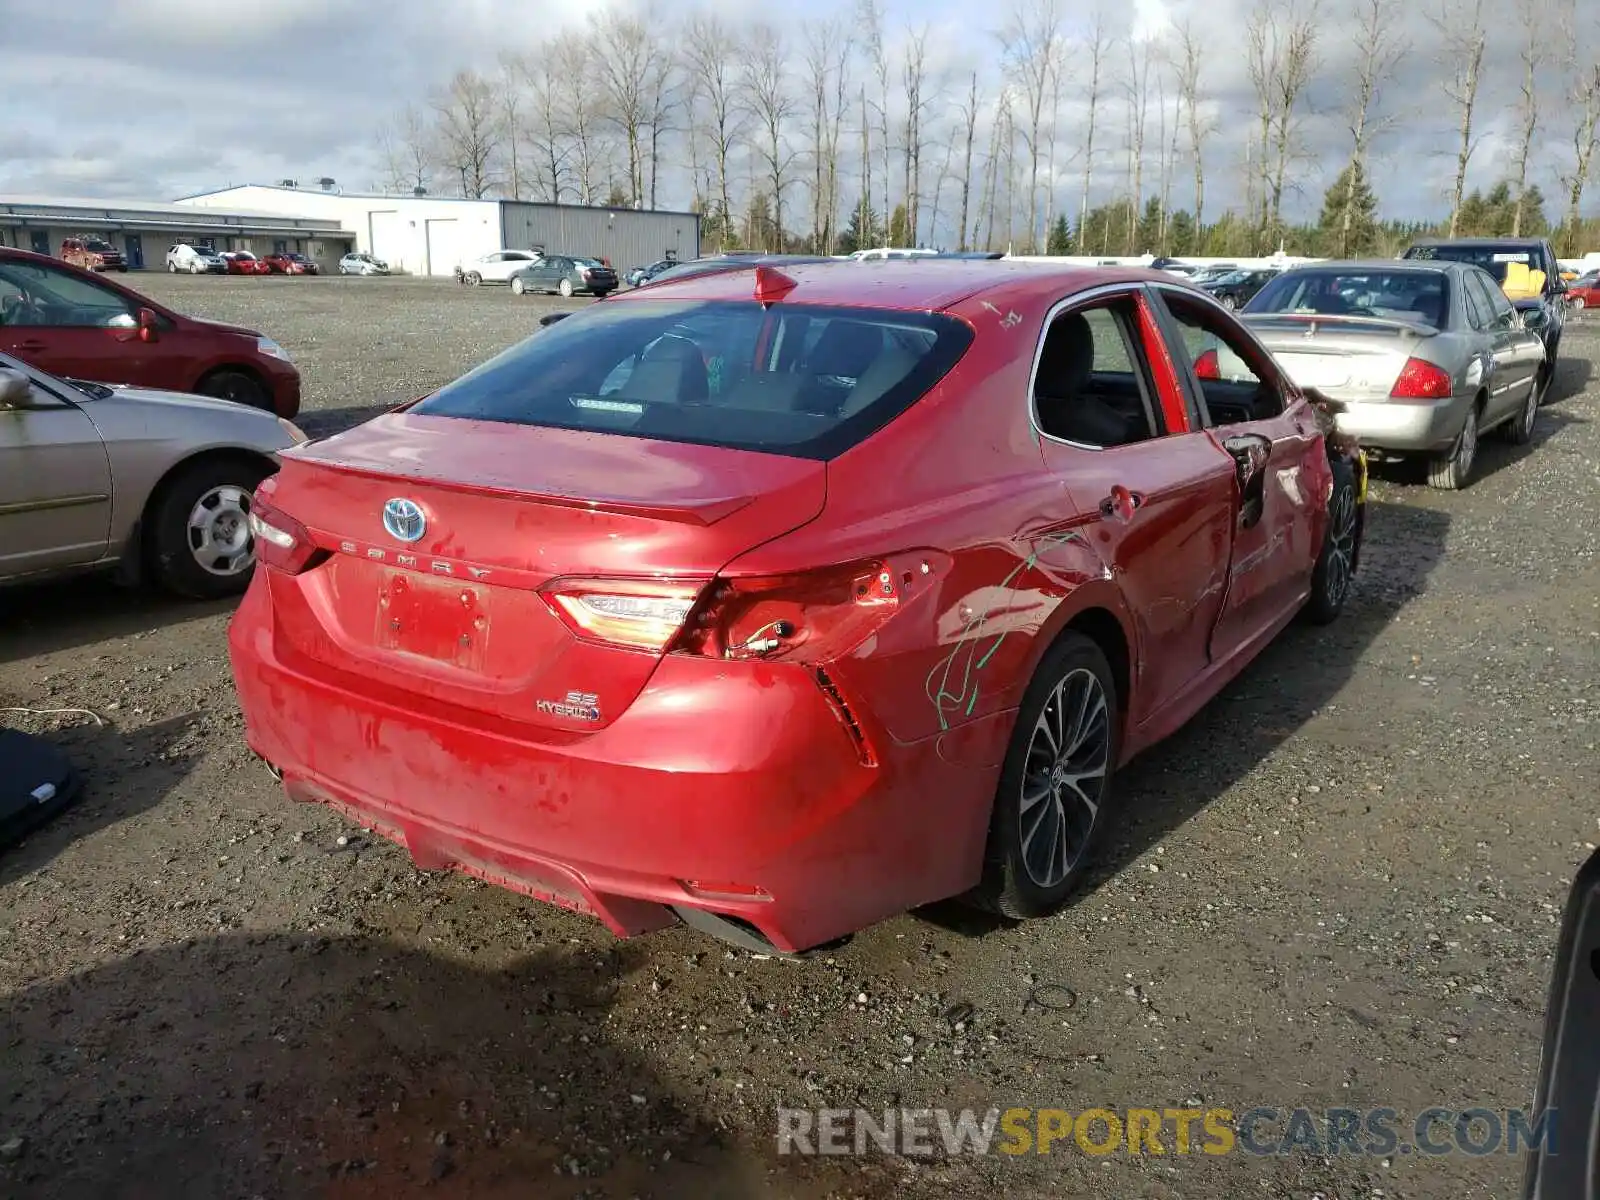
point(801, 380)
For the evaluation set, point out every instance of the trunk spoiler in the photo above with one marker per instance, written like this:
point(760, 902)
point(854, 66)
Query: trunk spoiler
point(1262, 320)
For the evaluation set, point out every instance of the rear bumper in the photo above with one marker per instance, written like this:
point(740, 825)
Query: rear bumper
point(1407, 427)
point(736, 792)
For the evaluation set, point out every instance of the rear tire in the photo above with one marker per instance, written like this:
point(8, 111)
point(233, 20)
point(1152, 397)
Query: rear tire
point(1519, 430)
point(239, 386)
point(1054, 796)
point(518, 288)
point(1451, 472)
point(172, 268)
point(197, 514)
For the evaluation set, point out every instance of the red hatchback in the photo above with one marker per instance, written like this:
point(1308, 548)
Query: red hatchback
point(74, 323)
point(784, 603)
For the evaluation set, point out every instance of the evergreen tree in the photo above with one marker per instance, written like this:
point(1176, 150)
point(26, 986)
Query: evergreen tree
point(1060, 241)
point(854, 237)
point(1349, 224)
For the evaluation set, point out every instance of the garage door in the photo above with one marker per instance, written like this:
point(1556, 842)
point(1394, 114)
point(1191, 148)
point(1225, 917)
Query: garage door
point(443, 246)
point(388, 240)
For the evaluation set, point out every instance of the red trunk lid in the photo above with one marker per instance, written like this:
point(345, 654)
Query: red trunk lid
point(454, 620)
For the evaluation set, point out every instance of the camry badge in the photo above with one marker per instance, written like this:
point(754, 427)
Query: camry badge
point(404, 520)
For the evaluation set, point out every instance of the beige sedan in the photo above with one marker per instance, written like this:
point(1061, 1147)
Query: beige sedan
point(155, 484)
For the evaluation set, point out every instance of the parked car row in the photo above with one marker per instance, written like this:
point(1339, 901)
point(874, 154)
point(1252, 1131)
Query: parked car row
point(203, 260)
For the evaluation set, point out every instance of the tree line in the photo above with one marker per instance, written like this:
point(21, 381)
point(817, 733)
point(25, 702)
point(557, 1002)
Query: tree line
point(842, 133)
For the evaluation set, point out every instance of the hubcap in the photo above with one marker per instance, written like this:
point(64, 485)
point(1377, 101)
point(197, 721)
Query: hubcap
point(1064, 777)
point(219, 531)
point(1341, 544)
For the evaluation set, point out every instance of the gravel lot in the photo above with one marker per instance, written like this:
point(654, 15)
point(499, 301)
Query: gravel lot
point(1339, 886)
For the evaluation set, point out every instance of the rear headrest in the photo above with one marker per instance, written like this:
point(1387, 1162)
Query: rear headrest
point(1067, 360)
point(846, 348)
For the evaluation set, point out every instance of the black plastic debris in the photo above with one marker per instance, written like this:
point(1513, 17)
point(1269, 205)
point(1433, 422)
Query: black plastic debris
point(37, 784)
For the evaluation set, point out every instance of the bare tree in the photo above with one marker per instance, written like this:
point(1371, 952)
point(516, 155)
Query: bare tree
point(864, 218)
point(1030, 40)
point(1200, 124)
point(869, 17)
point(409, 151)
point(543, 79)
point(1138, 97)
point(1379, 51)
point(1463, 39)
point(624, 59)
point(766, 93)
point(1001, 138)
point(713, 49)
point(663, 99)
point(841, 98)
point(819, 38)
point(1583, 83)
point(915, 77)
point(1099, 43)
point(512, 103)
point(579, 117)
point(470, 131)
point(1532, 55)
point(1282, 37)
point(969, 121)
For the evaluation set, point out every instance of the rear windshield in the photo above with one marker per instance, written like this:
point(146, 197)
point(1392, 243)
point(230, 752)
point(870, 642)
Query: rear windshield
point(1492, 258)
point(801, 380)
point(1396, 295)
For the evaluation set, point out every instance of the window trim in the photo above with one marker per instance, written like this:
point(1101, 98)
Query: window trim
point(1184, 365)
point(1094, 297)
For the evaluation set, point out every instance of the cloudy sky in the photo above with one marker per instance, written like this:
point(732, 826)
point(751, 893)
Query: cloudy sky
point(154, 99)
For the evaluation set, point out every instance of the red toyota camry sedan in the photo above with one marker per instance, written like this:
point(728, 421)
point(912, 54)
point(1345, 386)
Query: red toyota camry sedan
point(778, 603)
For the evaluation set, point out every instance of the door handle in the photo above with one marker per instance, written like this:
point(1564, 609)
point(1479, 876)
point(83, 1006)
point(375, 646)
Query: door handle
point(1121, 504)
point(31, 344)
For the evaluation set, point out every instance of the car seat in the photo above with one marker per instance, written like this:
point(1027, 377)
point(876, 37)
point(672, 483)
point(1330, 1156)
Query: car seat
point(1065, 410)
point(670, 370)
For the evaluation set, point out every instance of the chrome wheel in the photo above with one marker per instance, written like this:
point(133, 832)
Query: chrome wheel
point(219, 531)
point(1064, 777)
point(1341, 546)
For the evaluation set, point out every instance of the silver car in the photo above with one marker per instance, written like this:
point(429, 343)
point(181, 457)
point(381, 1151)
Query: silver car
point(158, 484)
point(1424, 356)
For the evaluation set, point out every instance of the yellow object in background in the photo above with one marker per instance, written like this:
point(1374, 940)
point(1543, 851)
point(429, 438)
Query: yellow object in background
point(1522, 282)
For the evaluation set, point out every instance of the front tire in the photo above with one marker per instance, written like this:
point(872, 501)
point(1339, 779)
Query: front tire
point(199, 538)
point(1451, 472)
point(1330, 578)
point(565, 288)
point(517, 286)
point(474, 279)
point(239, 386)
point(1055, 790)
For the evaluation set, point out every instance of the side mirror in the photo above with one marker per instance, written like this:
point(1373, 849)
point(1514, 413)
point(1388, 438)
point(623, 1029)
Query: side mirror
point(1533, 319)
point(550, 319)
point(14, 389)
point(149, 324)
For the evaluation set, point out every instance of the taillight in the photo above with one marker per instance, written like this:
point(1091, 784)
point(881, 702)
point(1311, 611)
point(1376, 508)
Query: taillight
point(282, 543)
point(816, 616)
point(1207, 366)
point(1420, 380)
point(639, 613)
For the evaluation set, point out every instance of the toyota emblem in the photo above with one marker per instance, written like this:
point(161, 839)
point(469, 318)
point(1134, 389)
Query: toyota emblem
point(404, 520)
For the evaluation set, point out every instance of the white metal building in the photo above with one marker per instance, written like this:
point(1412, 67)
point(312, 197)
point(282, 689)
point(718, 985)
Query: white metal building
point(143, 231)
point(430, 235)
